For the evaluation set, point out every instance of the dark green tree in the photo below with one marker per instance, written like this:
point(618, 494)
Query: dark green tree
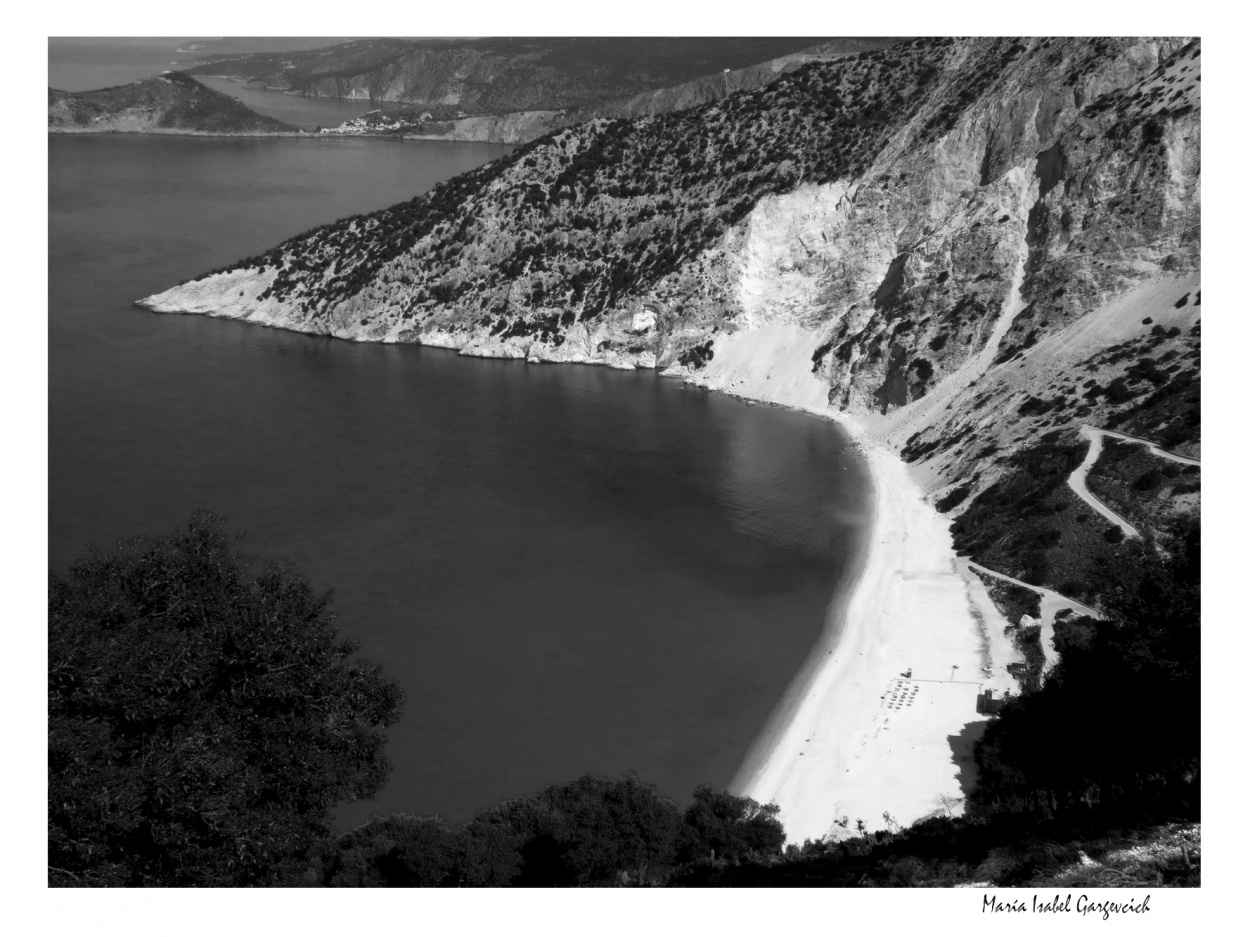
point(722, 826)
point(399, 851)
point(591, 831)
point(203, 722)
point(1122, 705)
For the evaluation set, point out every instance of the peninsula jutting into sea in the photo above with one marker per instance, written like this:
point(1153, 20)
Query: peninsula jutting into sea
point(979, 259)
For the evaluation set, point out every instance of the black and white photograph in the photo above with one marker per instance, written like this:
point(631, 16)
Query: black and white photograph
point(594, 458)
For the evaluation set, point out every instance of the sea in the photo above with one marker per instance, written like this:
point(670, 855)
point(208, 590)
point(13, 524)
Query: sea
point(569, 569)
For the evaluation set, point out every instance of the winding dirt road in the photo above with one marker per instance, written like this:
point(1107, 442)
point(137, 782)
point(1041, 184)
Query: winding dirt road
point(1052, 602)
point(1076, 481)
point(1154, 447)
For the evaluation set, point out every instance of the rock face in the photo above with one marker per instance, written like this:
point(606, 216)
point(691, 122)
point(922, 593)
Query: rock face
point(171, 103)
point(965, 243)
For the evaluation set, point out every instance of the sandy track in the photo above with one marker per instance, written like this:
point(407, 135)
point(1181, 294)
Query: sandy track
point(1154, 447)
point(1052, 601)
point(1076, 481)
point(1052, 604)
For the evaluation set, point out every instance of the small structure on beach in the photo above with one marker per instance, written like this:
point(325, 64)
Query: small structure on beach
point(1017, 668)
point(988, 706)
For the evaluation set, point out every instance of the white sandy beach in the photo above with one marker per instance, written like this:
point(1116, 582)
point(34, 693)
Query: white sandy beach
point(855, 739)
point(861, 740)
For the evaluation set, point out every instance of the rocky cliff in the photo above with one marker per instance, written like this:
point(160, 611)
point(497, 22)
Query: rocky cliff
point(975, 246)
point(170, 103)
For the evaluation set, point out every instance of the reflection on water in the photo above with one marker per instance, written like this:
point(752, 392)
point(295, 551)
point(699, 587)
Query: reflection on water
point(569, 568)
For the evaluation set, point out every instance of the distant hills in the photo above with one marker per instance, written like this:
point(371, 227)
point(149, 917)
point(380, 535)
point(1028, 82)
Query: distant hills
point(170, 103)
point(591, 76)
point(200, 49)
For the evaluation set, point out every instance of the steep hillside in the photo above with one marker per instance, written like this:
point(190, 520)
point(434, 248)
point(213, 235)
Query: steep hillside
point(524, 126)
point(972, 246)
point(516, 90)
point(167, 103)
point(496, 76)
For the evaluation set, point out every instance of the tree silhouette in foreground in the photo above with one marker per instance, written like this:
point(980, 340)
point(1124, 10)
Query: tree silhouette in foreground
point(1117, 723)
point(590, 831)
point(203, 723)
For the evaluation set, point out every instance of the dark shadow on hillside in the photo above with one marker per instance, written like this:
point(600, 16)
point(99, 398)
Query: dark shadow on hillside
point(961, 753)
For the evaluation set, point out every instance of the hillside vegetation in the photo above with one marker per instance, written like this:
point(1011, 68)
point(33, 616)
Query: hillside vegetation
point(600, 212)
point(497, 76)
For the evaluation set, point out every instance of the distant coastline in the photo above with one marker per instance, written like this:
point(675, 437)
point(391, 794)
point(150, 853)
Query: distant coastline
point(169, 102)
point(279, 134)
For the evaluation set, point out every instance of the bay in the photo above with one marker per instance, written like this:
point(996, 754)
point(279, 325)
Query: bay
point(568, 568)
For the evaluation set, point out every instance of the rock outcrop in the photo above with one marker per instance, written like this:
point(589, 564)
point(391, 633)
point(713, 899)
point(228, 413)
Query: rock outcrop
point(974, 245)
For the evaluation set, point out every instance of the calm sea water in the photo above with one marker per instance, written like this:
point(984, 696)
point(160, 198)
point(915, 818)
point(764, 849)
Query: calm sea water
point(85, 64)
point(568, 568)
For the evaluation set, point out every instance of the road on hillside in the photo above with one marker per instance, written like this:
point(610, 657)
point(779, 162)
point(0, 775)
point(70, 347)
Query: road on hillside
point(1076, 481)
point(1052, 604)
point(1154, 447)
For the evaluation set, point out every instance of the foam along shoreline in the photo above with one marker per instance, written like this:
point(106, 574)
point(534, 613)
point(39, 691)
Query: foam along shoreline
point(854, 739)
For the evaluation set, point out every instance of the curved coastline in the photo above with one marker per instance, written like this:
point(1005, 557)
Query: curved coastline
point(766, 745)
point(873, 728)
point(866, 733)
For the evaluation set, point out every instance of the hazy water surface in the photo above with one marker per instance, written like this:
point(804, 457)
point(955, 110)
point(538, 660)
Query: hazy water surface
point(569, 569)
point(85, 64)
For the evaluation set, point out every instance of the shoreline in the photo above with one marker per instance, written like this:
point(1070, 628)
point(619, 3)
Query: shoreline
point(875, 725)
point(851, 717)
point(837, 616)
